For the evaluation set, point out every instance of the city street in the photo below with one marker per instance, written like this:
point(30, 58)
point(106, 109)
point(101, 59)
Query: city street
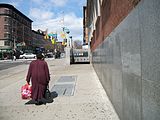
point(5, 64)
point(86, 100)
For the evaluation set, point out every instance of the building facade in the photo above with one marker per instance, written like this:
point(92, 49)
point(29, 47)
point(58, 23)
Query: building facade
point(85, 29)
point(15, 29)
point(38, 41)
point(40, 44)
point(124, 38)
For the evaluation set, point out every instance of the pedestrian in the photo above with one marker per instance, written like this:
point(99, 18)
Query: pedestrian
point(14, 55)
point(38, 73)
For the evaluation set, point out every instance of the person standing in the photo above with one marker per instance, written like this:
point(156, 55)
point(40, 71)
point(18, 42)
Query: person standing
point(14, 55)
point(38, 74)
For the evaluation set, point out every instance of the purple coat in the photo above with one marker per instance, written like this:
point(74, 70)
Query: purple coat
point(38, 73)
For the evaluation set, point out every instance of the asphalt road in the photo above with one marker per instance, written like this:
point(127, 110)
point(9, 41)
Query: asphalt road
point(8, 64)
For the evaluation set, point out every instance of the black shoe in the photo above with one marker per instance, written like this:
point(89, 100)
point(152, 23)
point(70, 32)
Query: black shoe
point(31, 102)
point(39, 103)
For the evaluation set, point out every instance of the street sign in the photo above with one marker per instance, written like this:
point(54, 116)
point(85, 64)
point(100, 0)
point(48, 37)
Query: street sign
point(66, 30)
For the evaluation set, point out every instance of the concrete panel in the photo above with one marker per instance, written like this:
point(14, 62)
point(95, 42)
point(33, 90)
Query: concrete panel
point(95, 60)
point(99, 66)
point(117, 75)
point(149, 12)
point(131, 66)
point(128, 55)
point(104, 64)
point(109, 62)
point(150, 35)
point(117, 60)
point(151, 100)
point(131, 97)
point(104, 67)
point(117, 91)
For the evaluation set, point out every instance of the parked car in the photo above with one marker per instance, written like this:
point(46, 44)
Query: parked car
point(49, 55)
point(27, 55)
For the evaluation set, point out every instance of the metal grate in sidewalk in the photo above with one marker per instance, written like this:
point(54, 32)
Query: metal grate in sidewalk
point(66, 79)
point(65, 86)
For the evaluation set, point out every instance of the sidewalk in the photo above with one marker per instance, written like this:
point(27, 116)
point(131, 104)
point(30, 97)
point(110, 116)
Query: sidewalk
point(88, 101)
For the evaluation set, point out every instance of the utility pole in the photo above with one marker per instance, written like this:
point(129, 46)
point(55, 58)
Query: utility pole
point(14, 43)
point(71, 44)
point(67, 48)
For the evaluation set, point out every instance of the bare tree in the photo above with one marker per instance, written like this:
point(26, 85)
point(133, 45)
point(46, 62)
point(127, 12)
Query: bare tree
point(77, 44)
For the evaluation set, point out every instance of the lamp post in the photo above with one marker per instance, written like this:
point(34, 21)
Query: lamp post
point(70, 41)
point(14, 43)
point(67, 48)
point(66, 30)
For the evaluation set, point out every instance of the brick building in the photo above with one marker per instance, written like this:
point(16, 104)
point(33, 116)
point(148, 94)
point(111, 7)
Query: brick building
point(15, 29)
point(39, 43)
point(85, 29)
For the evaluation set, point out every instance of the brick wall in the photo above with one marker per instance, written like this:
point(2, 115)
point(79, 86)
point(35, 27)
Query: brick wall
point(112, 14)
point(1, 24)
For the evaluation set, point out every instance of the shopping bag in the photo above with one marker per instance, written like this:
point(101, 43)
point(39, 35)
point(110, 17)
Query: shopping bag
point(26, 91)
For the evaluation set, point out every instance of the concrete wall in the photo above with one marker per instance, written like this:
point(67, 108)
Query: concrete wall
point(128, 63)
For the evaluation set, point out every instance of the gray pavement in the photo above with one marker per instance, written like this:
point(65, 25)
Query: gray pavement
point(88, 100)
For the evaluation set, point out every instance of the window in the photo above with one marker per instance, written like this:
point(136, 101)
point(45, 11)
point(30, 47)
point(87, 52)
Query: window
point(6, 29)
point(14, 30)
point(6, 35)
point(7, 43)
point(14, 22)
point(7, 20)
point(6, 11)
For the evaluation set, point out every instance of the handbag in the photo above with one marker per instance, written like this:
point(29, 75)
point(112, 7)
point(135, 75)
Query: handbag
point(47, 94)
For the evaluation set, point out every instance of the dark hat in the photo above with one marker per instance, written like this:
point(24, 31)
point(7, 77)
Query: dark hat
point(39, 56)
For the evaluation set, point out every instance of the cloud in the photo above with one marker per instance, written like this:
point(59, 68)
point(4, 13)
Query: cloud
point(74, 23)
point(15, 4)
point(82, 2)
point(71, 21)
point(40, 15)
point(59, 3)
point(37, 1)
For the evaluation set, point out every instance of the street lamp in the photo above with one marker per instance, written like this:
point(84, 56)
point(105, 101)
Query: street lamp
point(70, 41)
point(66, 30)
point(67, 49)
point(14, 43)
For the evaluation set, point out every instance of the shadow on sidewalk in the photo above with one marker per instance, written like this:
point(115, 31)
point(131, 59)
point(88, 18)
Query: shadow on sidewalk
point(43, 101)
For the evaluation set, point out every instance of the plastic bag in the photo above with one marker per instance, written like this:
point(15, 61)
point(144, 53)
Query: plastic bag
point(26, 91)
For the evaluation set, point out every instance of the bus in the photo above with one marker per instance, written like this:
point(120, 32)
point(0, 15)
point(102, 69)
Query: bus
point(79, 56)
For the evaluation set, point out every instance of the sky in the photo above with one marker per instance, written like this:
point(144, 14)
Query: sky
point(53, 15)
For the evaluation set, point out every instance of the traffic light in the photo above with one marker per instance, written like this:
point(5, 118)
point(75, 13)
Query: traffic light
point(46, 37)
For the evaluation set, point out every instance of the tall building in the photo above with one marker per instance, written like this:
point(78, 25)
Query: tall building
point(15, 29)
point(85, 29)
